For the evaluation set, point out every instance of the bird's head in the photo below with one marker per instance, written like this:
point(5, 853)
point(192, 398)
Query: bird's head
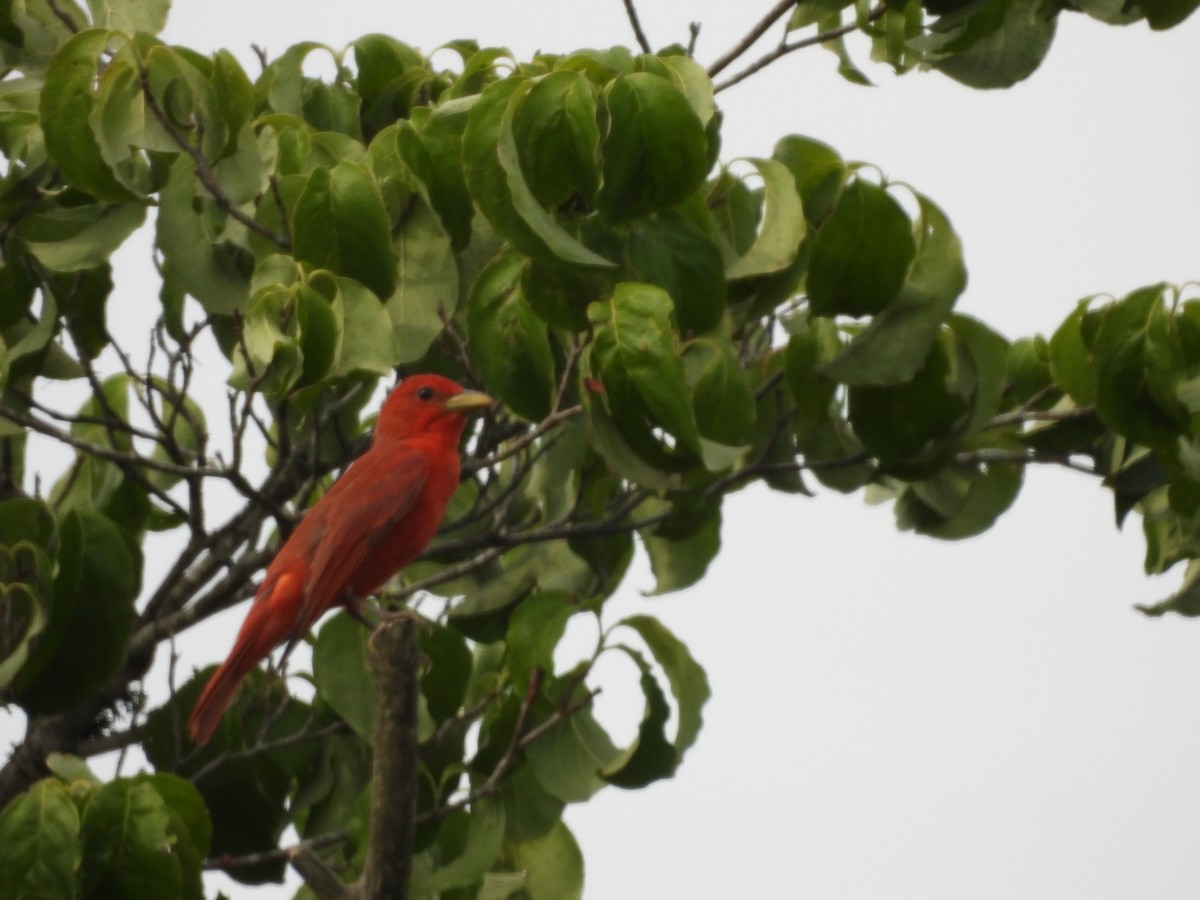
point(427, 406)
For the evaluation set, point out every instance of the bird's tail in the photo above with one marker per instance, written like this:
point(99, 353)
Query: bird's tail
point(259, 635)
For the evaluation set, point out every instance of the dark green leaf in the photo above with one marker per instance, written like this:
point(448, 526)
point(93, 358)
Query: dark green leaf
point(510, 343)
point(94, 590)
point(681, 547)
point(1139, 364)
point(498, 184)
point(817, 168)
point(651, 756)
point(341, 674)
point(128, 845)
point(339, 223)
point(654, 152)
point(557, 138)
point(959, 503)
point(688, 680)
point(896, 342)
point(913, 421)
point(671, 251)
point(861, 255)
point(1008, 51)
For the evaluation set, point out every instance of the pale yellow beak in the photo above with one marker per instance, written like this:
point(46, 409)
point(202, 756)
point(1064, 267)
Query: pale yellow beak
point(468, 402)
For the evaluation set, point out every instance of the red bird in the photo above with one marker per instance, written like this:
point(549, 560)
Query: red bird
point(375, 520)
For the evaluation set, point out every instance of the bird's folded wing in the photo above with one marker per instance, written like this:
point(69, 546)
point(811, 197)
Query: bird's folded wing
point(366, 503)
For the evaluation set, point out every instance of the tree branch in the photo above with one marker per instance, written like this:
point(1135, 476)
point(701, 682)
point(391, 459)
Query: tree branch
point(395, 662)
point(205, 173)
point(785, 48)
point(631, 12)
point(776, 13)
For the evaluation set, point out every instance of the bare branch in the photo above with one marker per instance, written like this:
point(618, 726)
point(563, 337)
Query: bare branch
point(635, 22)
point(785, 48)
point(774, 15)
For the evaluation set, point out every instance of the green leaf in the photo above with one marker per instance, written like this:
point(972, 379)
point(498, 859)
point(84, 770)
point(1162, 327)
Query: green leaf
point(1008, 51)
point(722, 401)
point(671, 251)
point(560, 296)
point(127, 844)
point(1164, 14)
point(896, 342)
point(66, 108)
point(1185, 601)
point(651, 756)
point(818, 170)
point(688, 680)
point(914, 421)
point(634, 338)
point(499, 186)
point(427, 283)
point(485, 838)
point(341, 674)
point(809, 349)
point(97, 581)
point(987, 352)
point(1071, 359)
point(509, 342)
point(606, 437)
point(189, 827)
point(681, 547)
point(365, 326)
point(552, 865)
point(39, 845)
point(148, 16)
point(193, 260)
point(534, 630)
point(1139, 364)
point(450, 665)
point(654, 152)
point(959, 503)
point(782, 228)
point(103, 230)
point(529, 810)
point(246, 795)
point(340, 223)
point(557, 138)
point(568, 759)
point(861, 255)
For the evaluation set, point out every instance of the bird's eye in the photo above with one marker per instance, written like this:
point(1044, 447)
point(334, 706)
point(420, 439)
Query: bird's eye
point(425, 393)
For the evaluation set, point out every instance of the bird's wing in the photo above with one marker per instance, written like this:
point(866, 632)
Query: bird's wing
point(357, 513)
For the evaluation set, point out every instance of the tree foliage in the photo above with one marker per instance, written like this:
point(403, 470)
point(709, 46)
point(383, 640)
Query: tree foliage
point(661, 329)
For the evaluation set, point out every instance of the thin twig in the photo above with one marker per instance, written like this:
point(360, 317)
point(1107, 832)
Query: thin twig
point(786, 48)
point(776, 13)
point(205, 173)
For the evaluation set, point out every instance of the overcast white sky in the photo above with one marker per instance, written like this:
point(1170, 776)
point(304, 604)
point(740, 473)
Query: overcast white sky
point(895, 717)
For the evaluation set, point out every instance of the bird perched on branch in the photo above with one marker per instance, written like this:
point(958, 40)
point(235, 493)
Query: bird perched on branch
point(375, 520)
